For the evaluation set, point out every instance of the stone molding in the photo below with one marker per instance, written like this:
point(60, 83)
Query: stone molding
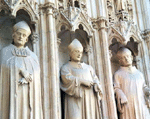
point(14, 6)
point(72, 17)
point(122, 31)
point(49, 9)
point(34, 38)
point(100, 23)
point(115, 14)
point(146, 35)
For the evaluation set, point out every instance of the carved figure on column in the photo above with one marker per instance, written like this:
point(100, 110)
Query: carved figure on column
point(130, 88)
point(81, 86)
point(20, 86)
point(121, 5)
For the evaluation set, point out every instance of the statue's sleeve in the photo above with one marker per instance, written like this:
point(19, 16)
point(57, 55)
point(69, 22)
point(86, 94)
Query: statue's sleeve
point(146, 89)
point(120, 96)
point(116, 82)
point(117, 89)
point(70, 84)
point(97, 87)
point(94, 74)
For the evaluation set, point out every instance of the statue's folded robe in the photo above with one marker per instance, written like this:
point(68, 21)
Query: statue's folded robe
point(19, 101)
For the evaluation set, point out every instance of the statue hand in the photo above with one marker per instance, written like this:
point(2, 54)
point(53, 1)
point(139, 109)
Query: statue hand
point(87, 83)
point(97, 86)
point(121, 97)
point(26, 75)
point(22, 81)
point(124, 100)
point(121, 100)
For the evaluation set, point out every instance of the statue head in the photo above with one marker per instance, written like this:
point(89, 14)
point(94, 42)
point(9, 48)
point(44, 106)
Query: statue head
point(21, 31)
point(75, 50)
point(125, 57)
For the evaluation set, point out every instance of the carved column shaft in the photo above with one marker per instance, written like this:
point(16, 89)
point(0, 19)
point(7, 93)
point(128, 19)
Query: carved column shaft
point(107, 74)
point(99, 68)
point(51, 90)
point(52, 42)
point(146, 54)
point(44, 67)
point(146, 13)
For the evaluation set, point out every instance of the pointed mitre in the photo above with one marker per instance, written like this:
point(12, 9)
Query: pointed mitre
point(22, 25)
point(75, 44)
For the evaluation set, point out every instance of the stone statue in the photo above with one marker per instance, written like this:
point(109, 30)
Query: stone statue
point(20, 85)
point(81, 86)
point(121, 5)
point(130, 88)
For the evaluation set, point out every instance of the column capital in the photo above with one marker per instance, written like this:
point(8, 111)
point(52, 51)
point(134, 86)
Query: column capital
point(34, 38)
point(47, 7)
point(100, 23)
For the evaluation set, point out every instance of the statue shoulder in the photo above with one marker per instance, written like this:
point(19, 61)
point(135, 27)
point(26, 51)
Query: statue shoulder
point(65, 66)
point(6, 49)
point(33, 55)
point(118, 72)
point(140, 73)
point(6, 53)
point(87, 65)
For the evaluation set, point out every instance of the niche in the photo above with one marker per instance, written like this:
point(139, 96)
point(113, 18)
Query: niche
point(76, 4)
point(7, 24)
point(114, 47)
point(66, 37)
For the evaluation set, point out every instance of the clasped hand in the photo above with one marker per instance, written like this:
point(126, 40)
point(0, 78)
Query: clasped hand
point(89, 83)
point(27, 77)
point(86, 83)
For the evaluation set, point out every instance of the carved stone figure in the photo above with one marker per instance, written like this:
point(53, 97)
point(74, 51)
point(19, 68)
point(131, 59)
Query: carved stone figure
point(81, 86)
point(130, 88)
point(121, 5)
point(20, 86)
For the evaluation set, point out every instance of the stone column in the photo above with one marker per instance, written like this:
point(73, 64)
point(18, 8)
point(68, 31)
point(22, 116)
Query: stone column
point(99, 71)
point(107, 80)
point(146, 13)
point(52, 62)
point(147, 39)
point(146, 55)
point(49, 62)
point(43, 64)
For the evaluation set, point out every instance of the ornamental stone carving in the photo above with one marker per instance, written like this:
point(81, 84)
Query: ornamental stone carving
point(13, 6)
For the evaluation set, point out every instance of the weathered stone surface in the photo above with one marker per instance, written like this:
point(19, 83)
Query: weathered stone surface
point(100, 25)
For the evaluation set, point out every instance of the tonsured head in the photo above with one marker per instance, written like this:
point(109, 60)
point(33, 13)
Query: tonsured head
point(125, 57)
point(75, 50)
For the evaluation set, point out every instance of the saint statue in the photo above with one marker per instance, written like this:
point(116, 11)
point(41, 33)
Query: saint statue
point(20, 85)
point(130, 88)
point(81, 86)
point(121, 5)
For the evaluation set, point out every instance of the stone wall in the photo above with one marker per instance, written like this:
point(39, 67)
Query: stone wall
point(100, 25)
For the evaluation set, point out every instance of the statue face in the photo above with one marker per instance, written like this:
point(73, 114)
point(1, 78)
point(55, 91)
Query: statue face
point(76, 55)
point(126, 58)
point(20, 37)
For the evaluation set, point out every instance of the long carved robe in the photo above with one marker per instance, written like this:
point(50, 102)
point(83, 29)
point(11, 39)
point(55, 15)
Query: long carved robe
point(80, 102)
point(19, 101)
point(133, 86)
